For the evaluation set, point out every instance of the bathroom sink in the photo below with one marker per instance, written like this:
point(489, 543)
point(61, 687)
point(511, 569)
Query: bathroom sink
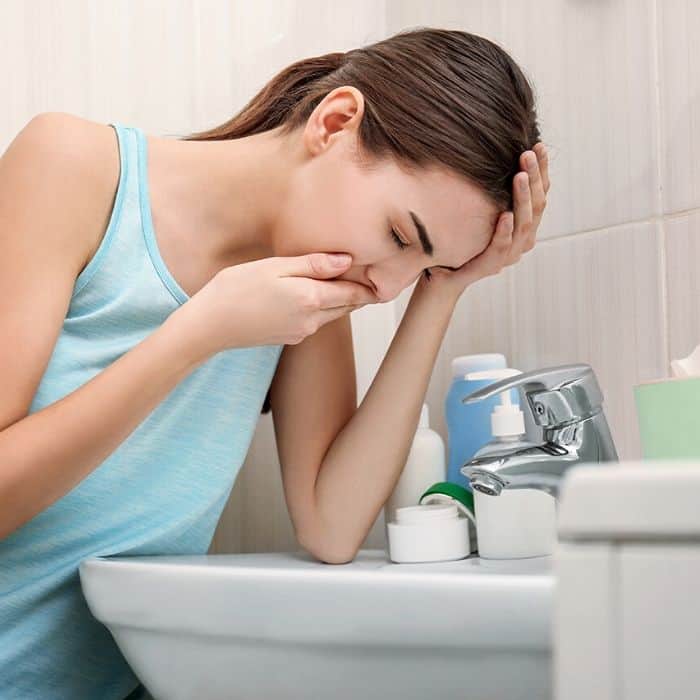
point(284, 625)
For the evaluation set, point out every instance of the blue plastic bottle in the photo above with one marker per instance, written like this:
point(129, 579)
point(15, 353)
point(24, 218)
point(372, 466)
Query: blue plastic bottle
point(469, 425)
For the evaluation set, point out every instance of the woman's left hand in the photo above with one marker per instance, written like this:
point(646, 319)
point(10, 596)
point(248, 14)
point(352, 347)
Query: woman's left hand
point(514, 234)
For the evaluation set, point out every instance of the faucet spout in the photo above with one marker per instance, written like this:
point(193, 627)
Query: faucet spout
point(492, 483)
point(486, 482)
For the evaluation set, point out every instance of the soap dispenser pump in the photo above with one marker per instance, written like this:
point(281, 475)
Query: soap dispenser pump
point(507, 420)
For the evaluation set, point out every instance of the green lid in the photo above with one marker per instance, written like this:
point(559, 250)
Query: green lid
point(447, 491)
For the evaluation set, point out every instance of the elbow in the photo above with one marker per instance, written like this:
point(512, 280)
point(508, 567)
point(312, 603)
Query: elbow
point(328, 552)
point(332, 557)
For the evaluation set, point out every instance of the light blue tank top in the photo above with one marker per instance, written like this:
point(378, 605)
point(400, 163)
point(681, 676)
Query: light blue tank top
point(160, 492)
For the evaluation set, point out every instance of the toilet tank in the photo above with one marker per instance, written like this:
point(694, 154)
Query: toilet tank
point(626, 619)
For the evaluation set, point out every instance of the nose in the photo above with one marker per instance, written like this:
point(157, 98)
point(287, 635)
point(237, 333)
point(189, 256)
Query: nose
point(386, 291)
point(390, 286)
point(379, 292)
point(385, 286)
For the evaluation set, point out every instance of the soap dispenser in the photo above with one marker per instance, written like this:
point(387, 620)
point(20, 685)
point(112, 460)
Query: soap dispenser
point(518, 523)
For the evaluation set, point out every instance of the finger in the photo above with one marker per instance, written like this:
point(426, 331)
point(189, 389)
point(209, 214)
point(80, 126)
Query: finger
point(491, 260)
point(325, 315)
point(543, 163)
point(339, 293)
point(537, 196)
point(523, 211)
point(503, 236)
point(313, 265)
point(502, 242)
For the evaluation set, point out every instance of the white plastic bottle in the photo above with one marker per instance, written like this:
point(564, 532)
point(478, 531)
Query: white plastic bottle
point(425, 465)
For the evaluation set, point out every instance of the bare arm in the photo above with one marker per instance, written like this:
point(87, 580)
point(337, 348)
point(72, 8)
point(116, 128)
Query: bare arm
point(47, 453)
point(313, 395)
point(47, 184)
point(341, 499)
point(364, 461)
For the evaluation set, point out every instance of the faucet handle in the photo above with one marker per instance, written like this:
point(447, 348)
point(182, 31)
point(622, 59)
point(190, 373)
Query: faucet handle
point(555, 395)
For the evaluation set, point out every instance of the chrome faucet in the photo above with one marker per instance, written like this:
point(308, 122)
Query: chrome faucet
point(566, 401)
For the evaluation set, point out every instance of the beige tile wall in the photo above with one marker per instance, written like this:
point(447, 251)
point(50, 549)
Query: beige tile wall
point(594, 289)
point(614, 280)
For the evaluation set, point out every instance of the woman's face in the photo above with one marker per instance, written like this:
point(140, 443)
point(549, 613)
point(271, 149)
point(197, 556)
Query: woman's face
point(334, 205)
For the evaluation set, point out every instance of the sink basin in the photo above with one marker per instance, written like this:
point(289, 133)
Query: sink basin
point(284, 625)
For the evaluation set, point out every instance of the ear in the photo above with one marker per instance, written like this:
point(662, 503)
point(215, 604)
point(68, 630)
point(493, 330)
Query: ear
point(338, 114)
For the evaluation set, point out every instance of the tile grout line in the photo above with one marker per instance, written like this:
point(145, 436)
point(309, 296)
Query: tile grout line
point(657, 74)
point(632, 222)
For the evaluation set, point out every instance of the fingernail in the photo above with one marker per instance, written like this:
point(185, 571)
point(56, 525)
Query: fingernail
point(338, 259)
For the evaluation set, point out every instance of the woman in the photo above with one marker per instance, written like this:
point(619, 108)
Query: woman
point(161, 286)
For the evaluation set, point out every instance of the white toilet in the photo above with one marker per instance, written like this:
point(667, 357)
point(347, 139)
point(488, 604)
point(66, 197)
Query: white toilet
point(283, 625)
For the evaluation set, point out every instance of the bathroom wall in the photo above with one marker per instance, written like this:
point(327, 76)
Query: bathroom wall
point(613, 280)
point(173, 67)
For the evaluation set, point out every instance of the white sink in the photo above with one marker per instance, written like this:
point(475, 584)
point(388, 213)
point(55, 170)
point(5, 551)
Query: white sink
point(283, 625)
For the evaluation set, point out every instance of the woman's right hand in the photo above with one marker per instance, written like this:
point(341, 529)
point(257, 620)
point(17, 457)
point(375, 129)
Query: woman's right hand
point(279, 300)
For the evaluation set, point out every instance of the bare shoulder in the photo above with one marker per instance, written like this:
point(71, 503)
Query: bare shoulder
point(73, 162)
point(57, 180)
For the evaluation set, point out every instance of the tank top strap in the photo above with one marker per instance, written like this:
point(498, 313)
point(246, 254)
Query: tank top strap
point(128, 255)
point(127, 189)
point(164, 273)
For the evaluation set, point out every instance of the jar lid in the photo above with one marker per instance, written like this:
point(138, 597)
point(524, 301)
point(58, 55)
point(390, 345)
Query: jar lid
point(427, 513)
point(447, 492)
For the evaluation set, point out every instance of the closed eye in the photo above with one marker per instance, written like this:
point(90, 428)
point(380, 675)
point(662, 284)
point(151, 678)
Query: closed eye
point(403, 245)
point(399, 242)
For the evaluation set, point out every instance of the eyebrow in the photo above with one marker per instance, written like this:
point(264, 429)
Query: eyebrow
point(425, 238)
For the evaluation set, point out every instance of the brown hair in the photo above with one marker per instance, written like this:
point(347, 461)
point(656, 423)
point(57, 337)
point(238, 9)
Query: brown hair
point(433, 97)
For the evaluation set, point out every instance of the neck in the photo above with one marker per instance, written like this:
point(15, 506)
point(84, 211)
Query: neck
point(227, 193)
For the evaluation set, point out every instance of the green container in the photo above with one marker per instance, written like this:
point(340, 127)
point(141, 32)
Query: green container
point(668, 412)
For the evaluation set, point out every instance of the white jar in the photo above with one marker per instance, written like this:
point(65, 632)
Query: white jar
point(427, 533)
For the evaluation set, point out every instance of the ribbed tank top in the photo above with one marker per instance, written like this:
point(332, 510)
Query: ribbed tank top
point(160, 492)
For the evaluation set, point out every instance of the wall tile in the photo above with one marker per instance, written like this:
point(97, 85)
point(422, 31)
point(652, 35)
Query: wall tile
point(683, 279)
point(480, 323)
point(591, 65)
point(679, 25)
point(256, 518)
point(595, 298)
